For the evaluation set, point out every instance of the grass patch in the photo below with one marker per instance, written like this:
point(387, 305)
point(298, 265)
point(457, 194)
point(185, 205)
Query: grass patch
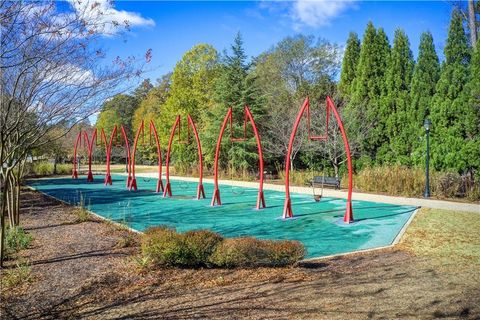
point(164, 247)
point(449, 236)
point(16, 239)
point(17, 276)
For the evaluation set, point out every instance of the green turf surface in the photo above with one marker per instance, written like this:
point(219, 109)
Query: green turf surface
point(319, 226)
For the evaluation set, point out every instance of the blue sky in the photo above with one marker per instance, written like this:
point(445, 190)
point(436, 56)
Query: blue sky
point(171, 28)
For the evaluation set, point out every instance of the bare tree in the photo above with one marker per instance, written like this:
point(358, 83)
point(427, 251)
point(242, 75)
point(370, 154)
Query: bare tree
point(53, 71)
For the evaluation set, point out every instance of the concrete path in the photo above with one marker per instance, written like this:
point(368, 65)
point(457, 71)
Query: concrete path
point(418, 202)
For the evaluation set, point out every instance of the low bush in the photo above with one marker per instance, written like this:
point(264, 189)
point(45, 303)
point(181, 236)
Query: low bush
point(200, 245)
point(164, 247)
point(250, 252)
point(16, 239)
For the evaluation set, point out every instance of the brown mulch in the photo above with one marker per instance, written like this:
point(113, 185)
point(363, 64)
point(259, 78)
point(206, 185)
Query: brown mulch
point(81, 271)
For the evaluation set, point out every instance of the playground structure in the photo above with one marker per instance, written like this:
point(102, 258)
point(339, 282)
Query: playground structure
point(177, 128)
point(227, 121)
point(305, 111)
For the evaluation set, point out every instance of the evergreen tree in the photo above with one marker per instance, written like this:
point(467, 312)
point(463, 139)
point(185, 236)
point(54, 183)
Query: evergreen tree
point(369, 89)
point(425, 77)
point(471, 146)
point(235, 88)
point(349, 65)
point(397, 102)
point(449, 113)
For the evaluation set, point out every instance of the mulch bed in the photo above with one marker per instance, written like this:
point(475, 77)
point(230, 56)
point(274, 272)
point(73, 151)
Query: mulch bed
point(82, 270)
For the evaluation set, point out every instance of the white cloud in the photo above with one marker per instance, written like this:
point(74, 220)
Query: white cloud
point(107, 17)
point(318, 12)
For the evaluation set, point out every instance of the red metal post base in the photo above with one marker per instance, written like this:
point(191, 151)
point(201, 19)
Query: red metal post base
point(168, 190)
point(133, 184)
point(287, 209)
point(108, 179)
point(348, 217)
point(129, 179)
point(200, 192)
point(90, 176)
point(159, 186)
point(260, 200)
point(216, 198)
point(75, 174)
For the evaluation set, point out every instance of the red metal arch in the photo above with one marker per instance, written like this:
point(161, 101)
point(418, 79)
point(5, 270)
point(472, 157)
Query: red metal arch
point(287, 210)
point(141, 130)
point(127, 148)
point(228, 118)
point(159, 156)
point(89, 145)
point(108, 152)
point(133, 180)
point(78, 141)
point(176, 124)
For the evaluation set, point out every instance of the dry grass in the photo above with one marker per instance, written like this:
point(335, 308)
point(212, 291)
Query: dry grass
point(450, 237)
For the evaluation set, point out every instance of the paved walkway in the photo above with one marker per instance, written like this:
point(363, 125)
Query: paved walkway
point(419, 202)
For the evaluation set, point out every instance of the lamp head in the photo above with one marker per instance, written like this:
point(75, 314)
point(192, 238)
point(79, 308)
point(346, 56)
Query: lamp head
point(427, 124)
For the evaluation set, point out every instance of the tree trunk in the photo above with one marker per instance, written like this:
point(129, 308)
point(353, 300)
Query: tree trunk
point(472, 23)
point(55, 164)
point(3, 211)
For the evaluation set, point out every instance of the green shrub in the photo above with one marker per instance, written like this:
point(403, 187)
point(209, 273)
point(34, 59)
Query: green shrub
point(16, 239)
point(200, 245)
point(251, 252)
point(165, 247)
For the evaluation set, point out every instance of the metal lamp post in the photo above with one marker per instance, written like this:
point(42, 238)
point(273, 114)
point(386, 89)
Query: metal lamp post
point(427, 124)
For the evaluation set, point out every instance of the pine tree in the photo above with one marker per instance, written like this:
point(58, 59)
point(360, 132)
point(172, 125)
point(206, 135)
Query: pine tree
point(396, 107)
point(449, 108)
point(471, 147)
point(234, 89)
point(362, 87)
point(349, 65)
point(425, 77)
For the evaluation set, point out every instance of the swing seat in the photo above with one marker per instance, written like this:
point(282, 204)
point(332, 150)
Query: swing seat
point(317, 197)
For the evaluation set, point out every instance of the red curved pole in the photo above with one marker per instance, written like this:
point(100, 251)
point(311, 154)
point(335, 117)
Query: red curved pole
point(159, 156)
point(200, 189)
point(248, 115)
point(287, 210)
point(90, 144)
point(168, 187)
point(127, 148)
point(108, 151)
point(348, 217)
point(78, 140)
point(260, 197)
point(133, 182)
point(216, 191)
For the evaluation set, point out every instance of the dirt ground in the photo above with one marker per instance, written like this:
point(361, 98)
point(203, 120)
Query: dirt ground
point(84, 270)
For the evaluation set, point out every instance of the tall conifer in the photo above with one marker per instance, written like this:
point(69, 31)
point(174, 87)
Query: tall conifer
point(349, 64)
point(396, 108)
point(449, 110)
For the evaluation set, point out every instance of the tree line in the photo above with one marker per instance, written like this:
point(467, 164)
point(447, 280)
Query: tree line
point(383, 94)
